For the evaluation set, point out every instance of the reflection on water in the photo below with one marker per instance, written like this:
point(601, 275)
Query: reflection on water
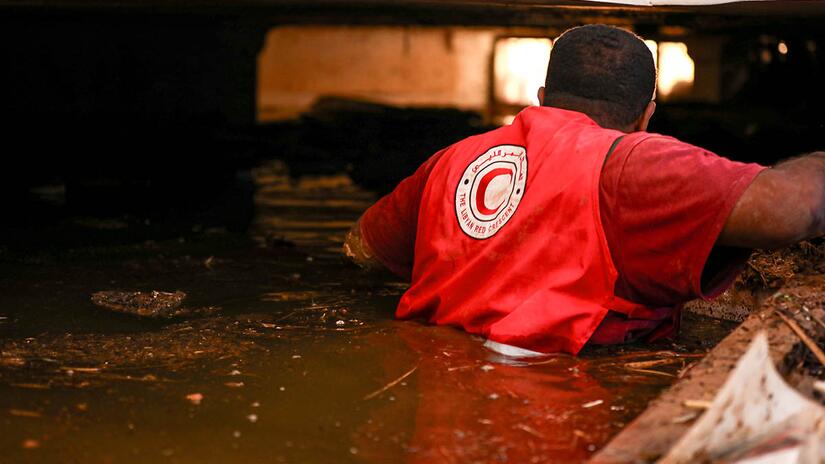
point(303, 364)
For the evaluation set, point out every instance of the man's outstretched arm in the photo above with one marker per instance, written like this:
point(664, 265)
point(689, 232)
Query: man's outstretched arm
point(783, 205)
point(357, 250)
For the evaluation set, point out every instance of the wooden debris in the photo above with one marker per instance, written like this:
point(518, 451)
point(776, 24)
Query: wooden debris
point(651, 363)
point(24, 413)
point(30, 443)
point(530, 430)
point(84, 370)
point(33, 386)
point(697, 404)
point(651, 371)
point(391, 384)
point(820, 356)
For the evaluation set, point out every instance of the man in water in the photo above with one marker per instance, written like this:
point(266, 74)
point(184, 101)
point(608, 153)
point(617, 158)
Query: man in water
point(574, 225)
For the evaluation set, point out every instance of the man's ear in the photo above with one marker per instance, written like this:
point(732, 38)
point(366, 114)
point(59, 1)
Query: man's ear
point(644, 119)
point(540, 94)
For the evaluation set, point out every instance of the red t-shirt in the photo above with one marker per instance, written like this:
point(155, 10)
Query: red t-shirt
point(663, 204)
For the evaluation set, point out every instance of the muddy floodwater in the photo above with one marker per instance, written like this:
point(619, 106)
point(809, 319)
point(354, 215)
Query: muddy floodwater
point(302, 363)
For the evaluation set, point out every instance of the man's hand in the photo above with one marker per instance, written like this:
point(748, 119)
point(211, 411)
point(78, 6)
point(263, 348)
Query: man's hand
point(783, 205)
point(358, 251)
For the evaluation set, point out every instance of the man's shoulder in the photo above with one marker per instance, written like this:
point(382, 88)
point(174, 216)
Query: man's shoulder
point(647, 150)
point(646, 142)
point(645, 163)
point(648, 162)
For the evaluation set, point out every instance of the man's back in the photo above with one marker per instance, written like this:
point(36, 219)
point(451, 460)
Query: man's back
point(473, 269)
point(508, 242)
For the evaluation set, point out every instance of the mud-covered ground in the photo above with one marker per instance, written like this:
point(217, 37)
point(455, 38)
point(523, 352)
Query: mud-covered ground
point(302, 363)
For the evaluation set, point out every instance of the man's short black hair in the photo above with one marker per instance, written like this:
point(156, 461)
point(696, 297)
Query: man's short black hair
point(603, 71)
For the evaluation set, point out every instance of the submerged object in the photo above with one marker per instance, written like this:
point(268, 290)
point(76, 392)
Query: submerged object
point(154, 304)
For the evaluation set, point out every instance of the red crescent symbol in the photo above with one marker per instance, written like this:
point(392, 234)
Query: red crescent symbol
point(482, 190)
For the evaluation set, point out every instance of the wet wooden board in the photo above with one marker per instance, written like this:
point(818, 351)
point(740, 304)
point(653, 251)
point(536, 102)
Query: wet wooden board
point(668, 417)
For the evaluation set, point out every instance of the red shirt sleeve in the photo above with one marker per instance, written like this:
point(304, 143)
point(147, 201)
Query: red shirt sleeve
point(388, 227)
point(663, 205)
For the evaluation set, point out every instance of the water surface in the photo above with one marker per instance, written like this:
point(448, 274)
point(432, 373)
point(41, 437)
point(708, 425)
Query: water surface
point(304, 364)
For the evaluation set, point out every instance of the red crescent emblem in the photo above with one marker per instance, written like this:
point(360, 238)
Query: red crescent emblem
point(482, 190)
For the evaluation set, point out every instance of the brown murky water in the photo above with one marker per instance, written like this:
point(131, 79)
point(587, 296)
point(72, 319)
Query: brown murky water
point(303, 364)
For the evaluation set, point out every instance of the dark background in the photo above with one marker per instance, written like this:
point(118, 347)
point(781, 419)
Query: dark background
point(148, 110)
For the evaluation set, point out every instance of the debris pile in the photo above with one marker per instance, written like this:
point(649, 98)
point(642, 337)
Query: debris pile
point(773, 269)
point(154, 304)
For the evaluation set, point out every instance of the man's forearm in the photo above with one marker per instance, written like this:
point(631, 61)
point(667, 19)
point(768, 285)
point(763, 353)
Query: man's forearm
point(783, 205)
point(809, 170)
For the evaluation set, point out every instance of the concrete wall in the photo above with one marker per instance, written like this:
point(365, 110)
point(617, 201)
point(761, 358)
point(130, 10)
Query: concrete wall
point(398, 65)
point(413, 66)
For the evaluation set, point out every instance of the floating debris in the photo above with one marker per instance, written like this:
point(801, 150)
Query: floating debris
point(12, 361)
point(30, 444)
point(154, 304)
point(652, 371)
point(33, 386)
point(195, 398)
point(592, 404)
point(85, 370)
point(25, 413)
point(391, 384)
point(530, 430)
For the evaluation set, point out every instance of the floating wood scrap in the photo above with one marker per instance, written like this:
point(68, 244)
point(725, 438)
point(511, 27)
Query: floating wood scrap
point(25, 413)
point(653, 372)
point(391, 384)
point(84, 370)
point(652, 363)
point(697, 404)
